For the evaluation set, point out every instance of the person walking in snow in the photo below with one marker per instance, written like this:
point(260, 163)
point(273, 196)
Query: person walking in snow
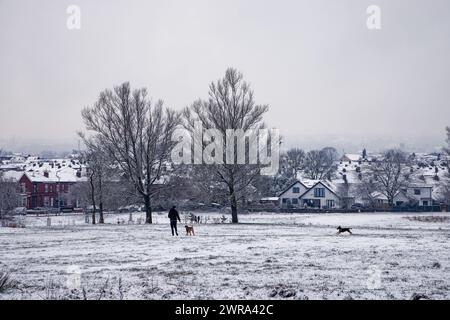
point(174, 216)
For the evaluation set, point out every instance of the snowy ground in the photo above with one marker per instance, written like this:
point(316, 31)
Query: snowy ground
point(388, 257)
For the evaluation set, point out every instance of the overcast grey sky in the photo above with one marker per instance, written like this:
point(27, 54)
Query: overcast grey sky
point(314, 62)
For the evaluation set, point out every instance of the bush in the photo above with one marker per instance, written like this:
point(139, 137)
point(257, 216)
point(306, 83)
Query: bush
point(6, 282)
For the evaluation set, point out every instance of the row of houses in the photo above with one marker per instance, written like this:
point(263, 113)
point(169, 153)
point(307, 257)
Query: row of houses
point(326, 195)
point(425, 172)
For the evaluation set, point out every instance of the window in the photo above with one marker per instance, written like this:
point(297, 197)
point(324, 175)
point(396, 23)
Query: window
point(296, 190)
point(330, 203)
point(417, 192)
point(319, 192)
point(425, 203)
point(284, 200)
point(46, 188)
point(46, 201)
point(294, 201)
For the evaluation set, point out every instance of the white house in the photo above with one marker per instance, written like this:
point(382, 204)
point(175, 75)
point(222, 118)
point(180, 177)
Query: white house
point(416, 193)
point(320, 195)
point(290, 196)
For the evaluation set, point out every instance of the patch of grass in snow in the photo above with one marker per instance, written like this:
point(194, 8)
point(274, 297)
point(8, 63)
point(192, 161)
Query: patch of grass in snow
point(428, 218)
point(6, 281)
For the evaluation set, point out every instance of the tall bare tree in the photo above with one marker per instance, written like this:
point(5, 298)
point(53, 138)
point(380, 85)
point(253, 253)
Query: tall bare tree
point(136, 134)
point(230, 106)
point(389, 174)
point(320, 164)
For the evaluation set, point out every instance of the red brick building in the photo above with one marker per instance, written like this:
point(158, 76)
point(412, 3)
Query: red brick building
point(47, 189)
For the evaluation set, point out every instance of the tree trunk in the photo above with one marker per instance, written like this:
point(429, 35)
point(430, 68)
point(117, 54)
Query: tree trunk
point(93, 213)
point(101, 219)
point(390, 203)
point(233, 204)
point(92, 199)
point(148, 209)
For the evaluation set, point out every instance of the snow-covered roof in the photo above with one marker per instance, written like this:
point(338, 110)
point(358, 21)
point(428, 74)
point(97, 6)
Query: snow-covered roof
point(12, 175)
point(309, 183)
point(420, 185)
point(352, 156)
point(62, 175)
point(378, 195)
point(270, 199)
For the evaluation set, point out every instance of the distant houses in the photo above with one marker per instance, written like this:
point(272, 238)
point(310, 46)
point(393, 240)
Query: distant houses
point(326, 195)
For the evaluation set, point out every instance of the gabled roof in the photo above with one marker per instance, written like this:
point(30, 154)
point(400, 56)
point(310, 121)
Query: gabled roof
point(290, 186)
point(328, 186)
point(405, 195)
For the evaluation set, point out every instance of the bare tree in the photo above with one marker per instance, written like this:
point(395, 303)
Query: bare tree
point(366, 190)
point(345, 192)
point(99, 168)
point(444, 184)
point(9, 196)
point(321, 164)
point(389, 174)
point(444, 190)
point(204, 189)
point(230, 106)
point(274, 184)
point(447, 149)
point(136, 134)
point(80, 194)
point(295, 160)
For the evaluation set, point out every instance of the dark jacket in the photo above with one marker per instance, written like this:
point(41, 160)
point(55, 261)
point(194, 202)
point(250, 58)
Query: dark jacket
point(173, 215)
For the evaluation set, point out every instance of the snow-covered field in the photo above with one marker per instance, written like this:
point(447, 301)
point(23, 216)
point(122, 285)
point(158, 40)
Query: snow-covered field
point(280, 256)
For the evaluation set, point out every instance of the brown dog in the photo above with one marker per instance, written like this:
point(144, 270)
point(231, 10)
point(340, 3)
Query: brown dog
point(189, 230)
